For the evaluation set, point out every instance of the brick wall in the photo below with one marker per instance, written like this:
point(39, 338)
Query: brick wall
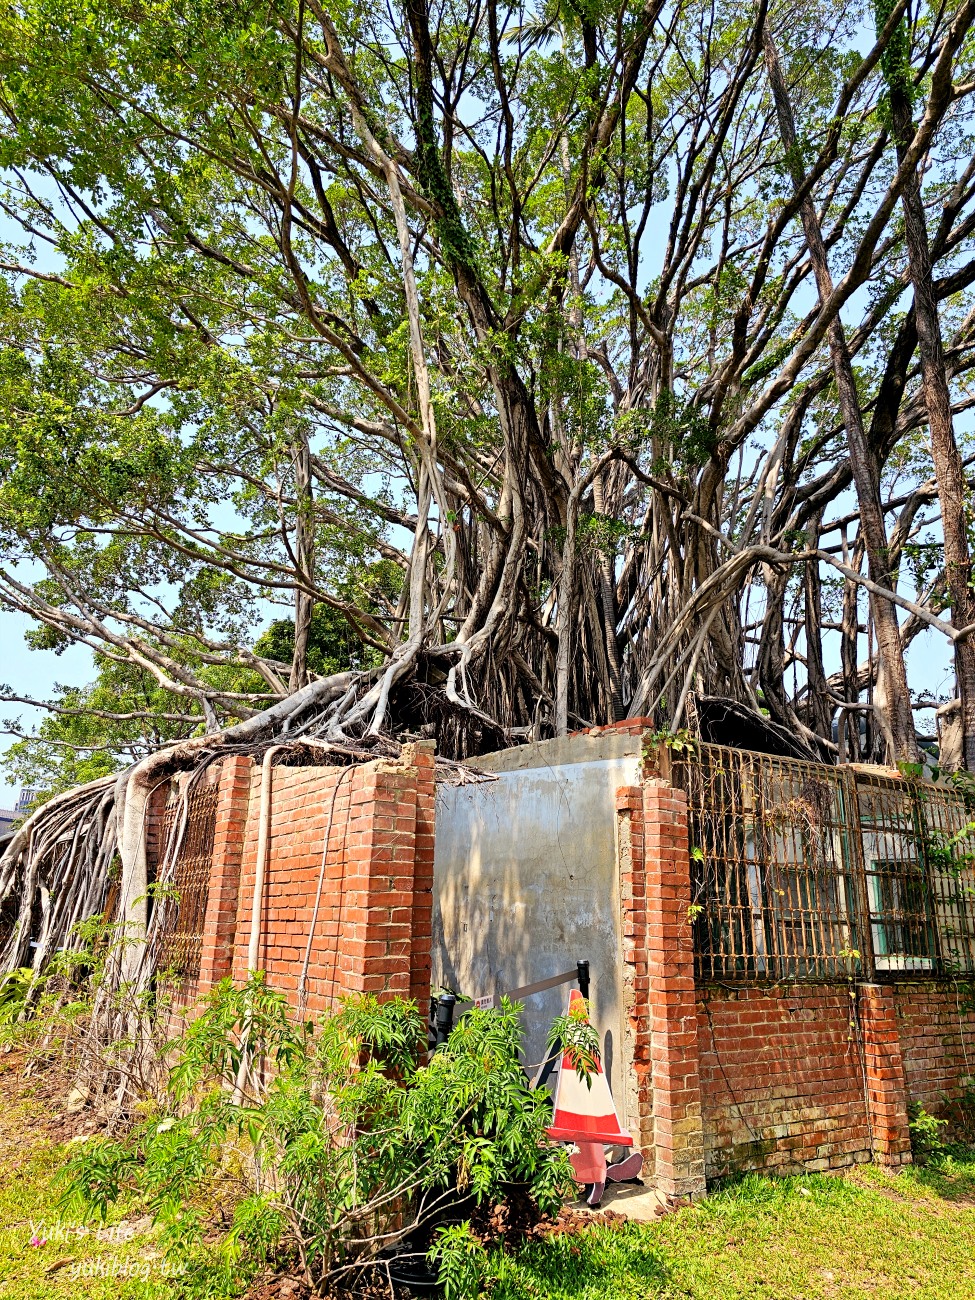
point(812, 1076)
point(421, 926)
point(220, 921)
point(937, 1036)
point(638, 1079)
point(347, 892)
point(781, 1079)
point(787, 1074)
point(658, 985)
point(884, 1083)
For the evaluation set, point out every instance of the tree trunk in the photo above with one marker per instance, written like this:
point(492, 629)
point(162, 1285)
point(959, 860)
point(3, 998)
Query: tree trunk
point(848, 654)
point(607, 596)
point(948, 468)
point(305, 557)
point(898, 718)
point(819, 709)
point(564, 619)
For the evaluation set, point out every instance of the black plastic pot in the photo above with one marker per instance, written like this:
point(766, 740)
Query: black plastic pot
point(410, 1270)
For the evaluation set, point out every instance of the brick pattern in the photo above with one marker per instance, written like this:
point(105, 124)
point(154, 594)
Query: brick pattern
point(937, 1036)
point(672, 1019)
point(627, 727)
point(636, 971)
point(374, 944)
point(421, 757)
point(220, 922)
point(362, 936)
point(155, 827)
point(884, 1080)
point(781, 1079)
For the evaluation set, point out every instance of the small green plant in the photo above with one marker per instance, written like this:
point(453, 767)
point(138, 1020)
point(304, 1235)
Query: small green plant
point(946, 852)
point(461, 1260)
point(680, 742)
point(575, 1035)
point(326, 1143)
point(15, 990)
point(925, 1129)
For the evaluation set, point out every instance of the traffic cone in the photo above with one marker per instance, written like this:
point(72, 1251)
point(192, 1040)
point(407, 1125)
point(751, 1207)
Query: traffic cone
point(585, 1115)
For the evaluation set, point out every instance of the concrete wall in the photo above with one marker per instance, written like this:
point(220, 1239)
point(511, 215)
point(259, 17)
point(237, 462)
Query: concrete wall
point(526, 881)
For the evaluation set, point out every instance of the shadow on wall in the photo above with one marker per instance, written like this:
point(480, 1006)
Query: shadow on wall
point(526, 883)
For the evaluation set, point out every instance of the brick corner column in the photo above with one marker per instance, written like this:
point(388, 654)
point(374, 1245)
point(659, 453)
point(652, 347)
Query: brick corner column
point(885, 1085)
point(374, 950)
point(678, 1130)
point(636, 975)
point(220, 920)
point(422, 756)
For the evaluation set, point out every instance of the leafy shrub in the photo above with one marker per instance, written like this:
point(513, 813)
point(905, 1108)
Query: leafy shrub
point(15, 988)
point(327, 1143)
point(926, 1141)
point(574, 1035)
point(462, 1262)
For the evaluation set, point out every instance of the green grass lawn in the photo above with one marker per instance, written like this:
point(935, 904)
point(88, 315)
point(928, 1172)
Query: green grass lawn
point(886, 1236)
point(873, 1234)
point(118, 1260)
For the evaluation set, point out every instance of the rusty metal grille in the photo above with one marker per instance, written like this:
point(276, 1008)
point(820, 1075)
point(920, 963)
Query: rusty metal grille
point(774, 897)
point(802, 871)
point(946, 820)
point(903, 933)
point(184, 898)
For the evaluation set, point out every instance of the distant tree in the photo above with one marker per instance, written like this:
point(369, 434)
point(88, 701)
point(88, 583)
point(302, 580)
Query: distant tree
point(125, 715)
point(94, 730)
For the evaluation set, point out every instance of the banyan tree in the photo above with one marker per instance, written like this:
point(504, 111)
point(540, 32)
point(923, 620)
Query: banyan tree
point(530, 366)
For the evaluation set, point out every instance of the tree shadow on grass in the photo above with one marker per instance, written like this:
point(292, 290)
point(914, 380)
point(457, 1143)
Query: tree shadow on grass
point(950, 1174)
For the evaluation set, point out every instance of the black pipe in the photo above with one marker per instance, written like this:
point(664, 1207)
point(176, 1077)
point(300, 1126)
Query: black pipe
point(444, 1017)
point(582, 975)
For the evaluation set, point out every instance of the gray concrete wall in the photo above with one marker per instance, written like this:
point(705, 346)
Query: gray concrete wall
point(526, 881)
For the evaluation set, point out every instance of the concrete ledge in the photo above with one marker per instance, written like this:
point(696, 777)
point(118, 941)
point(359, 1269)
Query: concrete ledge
point(584, 747)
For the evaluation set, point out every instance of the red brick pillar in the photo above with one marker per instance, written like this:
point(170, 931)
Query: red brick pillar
point(375, 945)
point(636, 973)
point(421, 756)
point(220, 922)
point(884, 1082)
point(677, 1121)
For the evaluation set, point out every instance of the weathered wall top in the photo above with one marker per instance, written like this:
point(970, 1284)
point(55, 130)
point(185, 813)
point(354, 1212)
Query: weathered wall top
point(582, 747)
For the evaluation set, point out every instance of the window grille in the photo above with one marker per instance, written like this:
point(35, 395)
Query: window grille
point(184, 899)
point(801, 871)
point(902, 922)
point(947, 831)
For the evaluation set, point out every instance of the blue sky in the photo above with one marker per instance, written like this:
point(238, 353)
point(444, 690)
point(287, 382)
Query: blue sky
point(34, 673)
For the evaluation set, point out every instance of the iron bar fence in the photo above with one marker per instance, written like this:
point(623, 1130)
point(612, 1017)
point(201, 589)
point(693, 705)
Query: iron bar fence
point(801, 871)
point(181, 942)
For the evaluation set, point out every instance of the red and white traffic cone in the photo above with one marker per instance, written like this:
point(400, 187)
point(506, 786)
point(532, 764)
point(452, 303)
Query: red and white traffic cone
point(586, 1116)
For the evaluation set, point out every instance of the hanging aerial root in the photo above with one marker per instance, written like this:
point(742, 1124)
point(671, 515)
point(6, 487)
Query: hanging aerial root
point(86, 848)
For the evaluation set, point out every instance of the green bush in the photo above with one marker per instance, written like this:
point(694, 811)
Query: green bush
point(15, 989)
point(327, 1143)
point(925, 1129)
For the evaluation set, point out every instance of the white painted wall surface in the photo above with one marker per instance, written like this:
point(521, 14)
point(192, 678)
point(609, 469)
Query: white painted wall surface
point(526, 882)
